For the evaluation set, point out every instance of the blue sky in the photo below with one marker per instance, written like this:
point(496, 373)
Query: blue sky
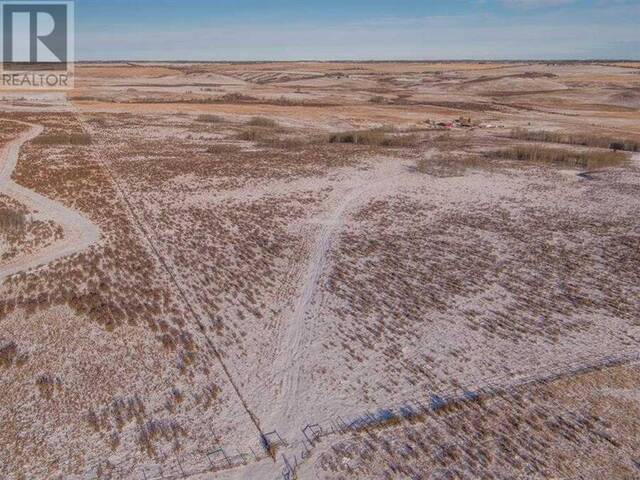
point(357, 29)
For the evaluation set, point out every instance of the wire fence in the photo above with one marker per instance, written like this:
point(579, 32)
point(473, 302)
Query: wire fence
point(291, 454)
point(433, 402)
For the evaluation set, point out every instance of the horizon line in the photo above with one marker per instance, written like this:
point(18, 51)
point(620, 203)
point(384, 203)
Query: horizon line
point(381, 60)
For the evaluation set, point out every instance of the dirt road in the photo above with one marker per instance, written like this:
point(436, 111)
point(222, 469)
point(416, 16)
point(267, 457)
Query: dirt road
point(304, 311)
point(79, 232)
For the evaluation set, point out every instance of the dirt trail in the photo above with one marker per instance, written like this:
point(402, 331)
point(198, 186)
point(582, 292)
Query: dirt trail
point(290, 358)
point(79, 233)
point(305, 307)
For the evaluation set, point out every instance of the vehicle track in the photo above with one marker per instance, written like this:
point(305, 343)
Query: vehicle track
point(79, 232)
point(309, 301)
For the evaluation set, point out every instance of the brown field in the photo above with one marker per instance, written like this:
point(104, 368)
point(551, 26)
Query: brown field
point(322, 270)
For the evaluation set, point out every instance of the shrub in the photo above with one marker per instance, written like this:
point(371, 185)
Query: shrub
point(584, 140)
point(287, 102)
point(236, 98)
point(445, 166)
point(262, 122)
point(88, 98)
point(560, 156)
point(364, 137)
point(64, 139)
point(376, 136)
point(8, 352)
point(400, 141)
point(615, 146)
point(11, 219)
point(46, 385)
point(210, 118)
point(251, 135)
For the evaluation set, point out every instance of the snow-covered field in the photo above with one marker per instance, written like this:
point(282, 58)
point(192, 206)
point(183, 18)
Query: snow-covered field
point(235, 252)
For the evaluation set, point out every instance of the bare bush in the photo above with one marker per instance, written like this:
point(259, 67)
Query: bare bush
point(46, 385)
point(253, 134)
point(289, 102)
point(87, 98)
point(561, 156)
point(362, 137)
point(236, 98)
point(585, 140)
point(262, 122)
point(207, 118)
point(401, 141)
point(11, 220)
point(64, 139)
point(375, 136)
point(448, 166)
point(8, 352)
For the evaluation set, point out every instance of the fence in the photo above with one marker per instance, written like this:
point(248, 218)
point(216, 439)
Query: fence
point(440, 400)
point(419, 402)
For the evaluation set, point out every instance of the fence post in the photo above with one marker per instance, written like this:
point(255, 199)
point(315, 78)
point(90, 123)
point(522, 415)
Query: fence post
point(254, 453)
point(180, 466)
point(244, 460)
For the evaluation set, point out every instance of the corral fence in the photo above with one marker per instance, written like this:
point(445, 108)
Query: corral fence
point(419, 403)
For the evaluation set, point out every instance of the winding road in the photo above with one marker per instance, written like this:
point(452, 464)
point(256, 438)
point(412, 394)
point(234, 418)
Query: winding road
point(79, 232)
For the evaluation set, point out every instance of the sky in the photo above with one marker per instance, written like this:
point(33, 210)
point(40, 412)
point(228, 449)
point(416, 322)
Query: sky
point(357, 29)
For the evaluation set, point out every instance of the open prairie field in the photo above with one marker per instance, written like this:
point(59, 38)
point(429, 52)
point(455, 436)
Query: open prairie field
point(322, 271)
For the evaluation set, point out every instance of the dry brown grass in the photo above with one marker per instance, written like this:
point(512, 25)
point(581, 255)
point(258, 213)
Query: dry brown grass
point(210, 118)
point(291, 102)
point(377, 137)
point(238, 255)
point(223, 148)
point(538, 430)
point(64, 139)
point(260, 129)
point(71, 176)
point(236, 98)
point(253, 134)
point(88, 98)
point(262, 122)
point(449, 165)
point(11, 220)
point(558, 156)
point(8, 352)
point(288, 143)
point(361, 137)
point(46, 384)
point(585, 140)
